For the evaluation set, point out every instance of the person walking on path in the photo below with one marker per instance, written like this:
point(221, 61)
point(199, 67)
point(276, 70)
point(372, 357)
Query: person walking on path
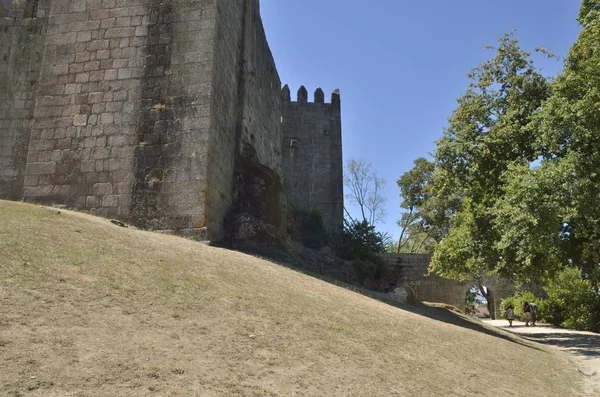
point(533, 311)
point(526, 313)
point(510, 315)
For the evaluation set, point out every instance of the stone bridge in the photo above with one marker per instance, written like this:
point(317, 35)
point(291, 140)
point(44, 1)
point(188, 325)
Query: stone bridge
point(412, 271)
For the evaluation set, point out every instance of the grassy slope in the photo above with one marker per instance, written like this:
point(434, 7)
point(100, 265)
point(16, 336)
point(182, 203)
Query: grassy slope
point(88, 307)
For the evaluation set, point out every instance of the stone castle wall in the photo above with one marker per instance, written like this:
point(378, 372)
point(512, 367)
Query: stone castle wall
point(225, 111)
point(146, 110)
point(22, 40)
point(262, 127)
point(119, 111)
point(246, 112)
point(413, 270)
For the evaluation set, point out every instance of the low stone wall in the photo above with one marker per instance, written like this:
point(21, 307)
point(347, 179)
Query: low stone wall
point(413, 272)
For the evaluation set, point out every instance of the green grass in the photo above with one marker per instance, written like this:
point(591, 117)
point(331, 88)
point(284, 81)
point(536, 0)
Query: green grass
point(89, 308)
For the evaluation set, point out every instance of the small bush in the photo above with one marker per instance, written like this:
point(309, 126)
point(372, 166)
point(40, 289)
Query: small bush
point(359, 240)
point(307, 227)
point(516, 301)
point(360, 243)
point(572, 302)
point(555, 311)
point(375, 268)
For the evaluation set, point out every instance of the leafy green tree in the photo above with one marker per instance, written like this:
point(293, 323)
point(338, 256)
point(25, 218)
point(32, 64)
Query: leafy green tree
point(360, 240)
point(489, 132)
point(572, 302)
point(418, 233)
point(549, 215)
point(361, 244)
point(530, 222)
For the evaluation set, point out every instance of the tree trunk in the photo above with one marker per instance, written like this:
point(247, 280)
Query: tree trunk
point(489, 297)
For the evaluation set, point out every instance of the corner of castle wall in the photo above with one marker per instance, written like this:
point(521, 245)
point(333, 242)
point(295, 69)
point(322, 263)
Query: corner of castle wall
point(21, 50)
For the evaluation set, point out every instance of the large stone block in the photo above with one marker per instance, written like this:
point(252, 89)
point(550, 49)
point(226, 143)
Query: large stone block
point(102, 189)
point(41, 168)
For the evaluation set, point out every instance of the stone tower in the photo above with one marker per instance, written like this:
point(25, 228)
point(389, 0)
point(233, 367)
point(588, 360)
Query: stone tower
point(164, 113)
point(312, 154)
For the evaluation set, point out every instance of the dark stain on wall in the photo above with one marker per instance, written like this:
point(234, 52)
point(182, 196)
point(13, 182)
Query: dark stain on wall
point(159, 110)
point(21, 49)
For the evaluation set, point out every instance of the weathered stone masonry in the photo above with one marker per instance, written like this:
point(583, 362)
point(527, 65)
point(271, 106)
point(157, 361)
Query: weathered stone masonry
point(166, 113)
point(312, 153)
point(21, 48)
point(412, 271)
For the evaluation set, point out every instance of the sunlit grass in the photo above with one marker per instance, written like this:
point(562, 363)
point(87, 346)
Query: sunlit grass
point(92, 308)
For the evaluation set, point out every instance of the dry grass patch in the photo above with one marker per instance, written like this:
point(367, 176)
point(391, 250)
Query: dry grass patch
point(91, 309)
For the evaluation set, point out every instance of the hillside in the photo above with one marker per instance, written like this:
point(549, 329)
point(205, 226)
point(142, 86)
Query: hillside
point(91, 309)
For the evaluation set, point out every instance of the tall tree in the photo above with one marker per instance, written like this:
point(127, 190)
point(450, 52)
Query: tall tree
point(489, 132)
point(365, 190)
point(416, 231)
point(550, 215)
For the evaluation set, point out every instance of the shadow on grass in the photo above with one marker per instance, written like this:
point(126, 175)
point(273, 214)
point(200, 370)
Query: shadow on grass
point(583, 344)
point(444, 313)
point(448, 316)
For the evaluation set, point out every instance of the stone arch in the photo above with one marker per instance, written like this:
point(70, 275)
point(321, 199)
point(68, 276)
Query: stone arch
point(411, 270)
point(258, 191)
point(257, 216)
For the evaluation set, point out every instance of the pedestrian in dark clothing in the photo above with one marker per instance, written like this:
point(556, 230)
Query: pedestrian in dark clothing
point(533, 309)
point(526, 313)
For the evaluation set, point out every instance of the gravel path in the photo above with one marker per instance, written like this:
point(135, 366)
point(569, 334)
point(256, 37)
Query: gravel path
point(582, 347)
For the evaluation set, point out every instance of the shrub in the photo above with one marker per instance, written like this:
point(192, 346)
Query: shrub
point(359, 240)
point(307, 227)
point(375, 268)
point(516, 301)
point(360, 243)
point(572, 302)
point(555, 311)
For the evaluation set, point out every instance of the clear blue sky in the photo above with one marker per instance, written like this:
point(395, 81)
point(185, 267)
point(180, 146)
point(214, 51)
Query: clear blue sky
point(401, 64)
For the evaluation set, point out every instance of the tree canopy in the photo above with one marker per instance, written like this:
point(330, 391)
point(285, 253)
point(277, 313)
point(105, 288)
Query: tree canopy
point(490, 131)
point(514, 185)
point(417, 233)
point(515, 182)
point(550, 215)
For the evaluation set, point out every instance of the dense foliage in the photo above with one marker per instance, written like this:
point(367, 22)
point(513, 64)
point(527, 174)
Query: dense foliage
point(360, 240)
point(361, 243)
point(517, 300)
point(490, 132)
point(514, 185)
point(307, 227)
point(549, 215)
point(571, 301)
point(419, 227)
point(515, 182)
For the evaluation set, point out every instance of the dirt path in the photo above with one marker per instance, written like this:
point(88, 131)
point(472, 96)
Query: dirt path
point(582, 347)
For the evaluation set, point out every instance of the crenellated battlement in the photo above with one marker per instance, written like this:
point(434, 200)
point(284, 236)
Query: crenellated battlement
point(312, 153)
point(302, 96)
